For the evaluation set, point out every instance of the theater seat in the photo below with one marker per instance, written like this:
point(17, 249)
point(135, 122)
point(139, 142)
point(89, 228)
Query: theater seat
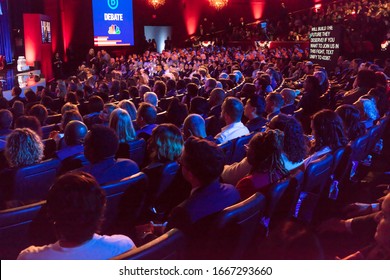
point(169, 246)
point(15, 226)
point(316, 178)
point(227, 149)
point(125, 199)
point(239, 150)
point(233, 232)
point(33, 182)
point(54, 119)
point(134, 150)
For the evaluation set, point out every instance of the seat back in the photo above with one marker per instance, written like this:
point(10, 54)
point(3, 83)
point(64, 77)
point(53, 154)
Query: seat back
point(375, 135)
point(278, 203)
point(137, 151)
point(239, 150)
point(235, 229)
point(316, 178)
point(227, 149)
point(33, 182)
point(125, 199)
point(359, 147)
point(169, 246)
point(47, 129)
point(161, 117)
point(15, 228)
point(53, 119)
point(160, 176)
point(164, 103)
point(72, 163)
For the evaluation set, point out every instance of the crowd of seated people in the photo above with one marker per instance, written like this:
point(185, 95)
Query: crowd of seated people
point(294, 122)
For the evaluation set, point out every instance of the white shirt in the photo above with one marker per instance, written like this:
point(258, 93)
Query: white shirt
point(231, 131)
point(100, 247)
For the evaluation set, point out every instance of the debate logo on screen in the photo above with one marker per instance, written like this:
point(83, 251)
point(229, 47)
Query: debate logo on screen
point(113, 4)
point(114, 29)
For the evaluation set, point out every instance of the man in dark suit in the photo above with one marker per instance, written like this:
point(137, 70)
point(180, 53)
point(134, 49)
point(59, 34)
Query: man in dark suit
point(202, 163)
point(289, 101)
point(100, 146)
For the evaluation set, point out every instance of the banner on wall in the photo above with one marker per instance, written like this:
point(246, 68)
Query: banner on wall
point(113, 22)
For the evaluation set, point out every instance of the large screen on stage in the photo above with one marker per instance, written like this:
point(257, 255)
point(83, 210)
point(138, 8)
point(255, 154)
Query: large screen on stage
point(113, 22)
point(325, 44)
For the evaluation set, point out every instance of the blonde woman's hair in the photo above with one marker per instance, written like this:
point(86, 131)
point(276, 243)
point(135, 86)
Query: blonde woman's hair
point(24, 147)
point(121, 122)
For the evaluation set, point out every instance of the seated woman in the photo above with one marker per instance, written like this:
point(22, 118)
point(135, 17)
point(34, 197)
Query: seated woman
point(165, 144)
point(264, 155)
point(293, 153)
point(75, 206)
point(121, 123)
point(23, 148)
point(350, 115)
point(368, 111)
point(328, 131)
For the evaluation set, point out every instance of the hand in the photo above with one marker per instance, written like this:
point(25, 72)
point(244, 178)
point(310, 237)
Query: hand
point(357, 209)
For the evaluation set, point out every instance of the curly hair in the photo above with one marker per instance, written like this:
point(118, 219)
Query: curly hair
point(121, 122)
point(165, 143)
point(23, 147)
point(294, 144)
point(328, 130)
point(264, 153)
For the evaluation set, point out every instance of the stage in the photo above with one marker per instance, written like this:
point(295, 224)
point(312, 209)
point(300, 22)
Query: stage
point(10, 77)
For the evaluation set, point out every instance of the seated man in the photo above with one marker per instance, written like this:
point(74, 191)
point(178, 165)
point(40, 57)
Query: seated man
point(194, 125)
point(232, 110)
point(100, 147)
point(146, 120)
point(202, 164)
point(75, 132)
point(75, 206)
point(254, 110)
point(289, 101)
point(273, 103)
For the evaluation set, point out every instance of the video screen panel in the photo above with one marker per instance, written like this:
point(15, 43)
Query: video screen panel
point(113, 22)
point(45, 31)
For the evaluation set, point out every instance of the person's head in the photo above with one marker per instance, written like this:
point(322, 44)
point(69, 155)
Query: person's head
point(367, 109)
point(18, 108)
point(16, 91)
point(120, 121)
point(160, 89)
point(151, 97)
point(68, 116)
point(288, 96)
point(100, 143)
point(196, 153)
point(312, 84)
point(327, 128)
point(146, 114)
point(294, 143)
point(366, 79)
point(74, 133)
point(199, 105)
point(194, 125)
point(142, 90)
point(68, 107)
point(6, 119)
point(232, 110)
point(217, 96)
point(40, 112)
point(210, 84)
point(192, 89)
point(382, 234)
point(254, 107)
point(23, 147)
point(47, 101)
point(273, 102)
point(75, 205)
point(129, 107)
point(95, 104)
point(166, 143)
point(30, 122)
point(176, 112)
point(350, 116)
point(264, 153)
point(30, 95)
point(248, 90)
point(106, 112)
